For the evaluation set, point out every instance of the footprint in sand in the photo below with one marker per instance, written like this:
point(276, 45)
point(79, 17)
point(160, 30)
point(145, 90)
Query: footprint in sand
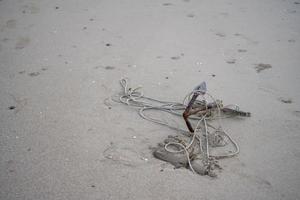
point(246, 38)
point(175, 57)
point(285, 100)
point(11, 23)
point(167, 4)
point(220, 34)
point(242, 50)
point(124, 156)
point(108, 67)
point(231, 61)
point(190, 15)
point(297, 113)
point(30, 8)
point(261, 66)
point(22, 42)
point(291, 40)
point(33, 74)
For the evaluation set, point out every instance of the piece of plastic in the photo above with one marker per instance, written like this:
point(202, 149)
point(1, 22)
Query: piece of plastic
point(201, 88)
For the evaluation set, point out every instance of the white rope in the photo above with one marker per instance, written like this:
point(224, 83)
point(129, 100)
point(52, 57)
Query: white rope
point(135, 97)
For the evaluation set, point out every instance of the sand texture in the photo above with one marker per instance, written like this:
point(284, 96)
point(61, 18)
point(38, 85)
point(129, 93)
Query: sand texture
point(61, 137)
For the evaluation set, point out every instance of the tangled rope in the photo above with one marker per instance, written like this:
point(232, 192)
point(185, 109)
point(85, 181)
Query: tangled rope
point(135, 97)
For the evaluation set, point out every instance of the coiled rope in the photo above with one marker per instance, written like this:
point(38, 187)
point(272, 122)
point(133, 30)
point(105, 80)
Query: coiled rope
point(135, 97)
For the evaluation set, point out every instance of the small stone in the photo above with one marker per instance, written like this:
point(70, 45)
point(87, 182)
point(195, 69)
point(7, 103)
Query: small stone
point(108, 44)
point(56, 7)
point(11, 107)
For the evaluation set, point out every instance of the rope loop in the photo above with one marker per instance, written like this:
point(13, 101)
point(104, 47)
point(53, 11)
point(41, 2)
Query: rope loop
point(135, 97)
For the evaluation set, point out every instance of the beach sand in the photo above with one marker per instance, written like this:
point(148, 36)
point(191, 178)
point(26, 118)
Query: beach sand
point(60, 62)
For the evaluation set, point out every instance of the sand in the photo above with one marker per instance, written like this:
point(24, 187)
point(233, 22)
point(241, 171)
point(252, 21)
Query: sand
point(61, 60)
